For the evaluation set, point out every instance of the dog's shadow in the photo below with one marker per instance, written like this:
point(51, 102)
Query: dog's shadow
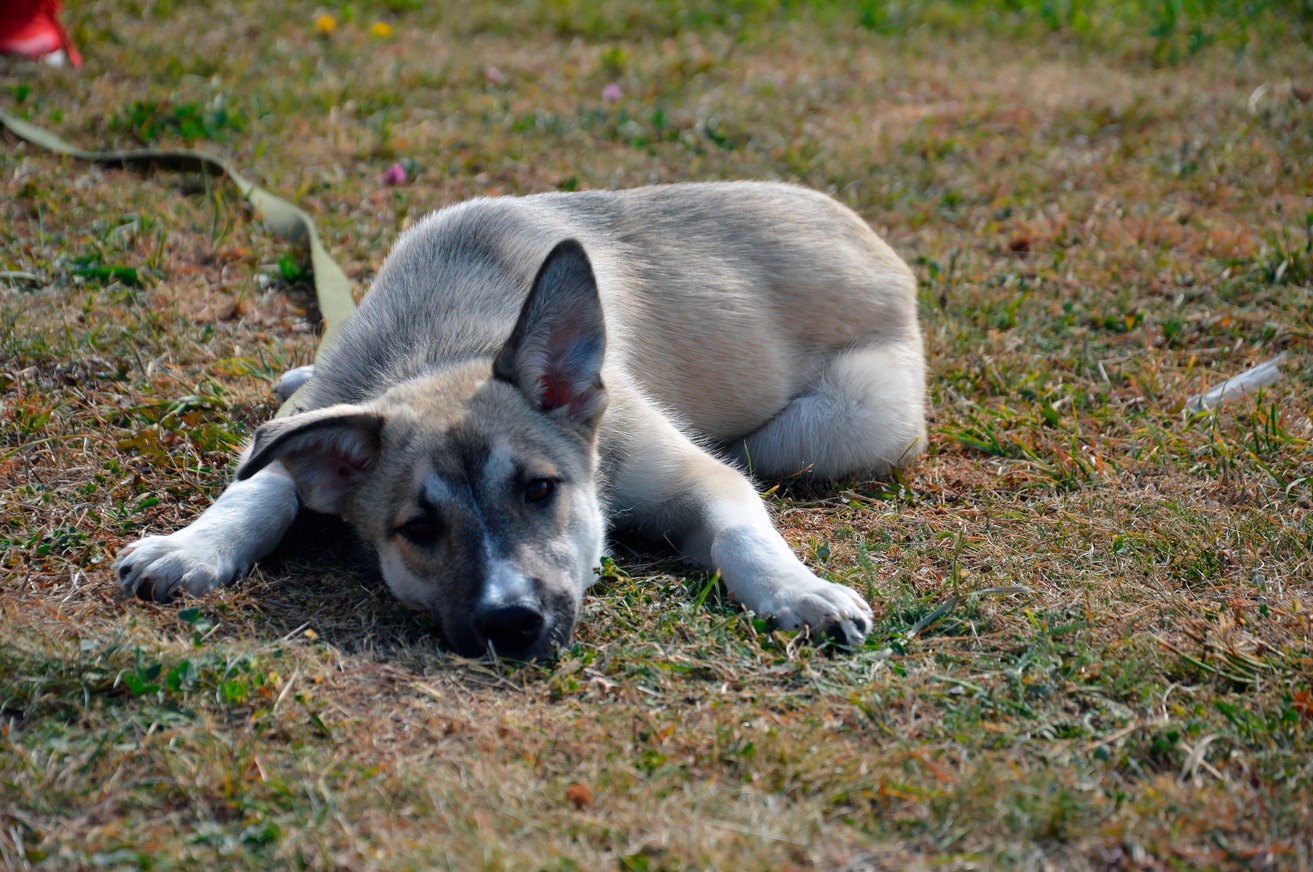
point(324, 577)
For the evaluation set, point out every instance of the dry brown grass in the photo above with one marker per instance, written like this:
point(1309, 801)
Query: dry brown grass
point(1105, 221)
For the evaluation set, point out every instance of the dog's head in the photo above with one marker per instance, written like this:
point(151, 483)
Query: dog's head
point(476, 487)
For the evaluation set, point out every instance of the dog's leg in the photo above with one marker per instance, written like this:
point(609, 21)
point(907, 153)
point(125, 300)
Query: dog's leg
point(671, 489)
point(243, 525)
point(865, 414)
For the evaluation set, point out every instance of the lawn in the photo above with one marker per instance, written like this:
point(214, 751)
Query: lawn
point(1093, 643)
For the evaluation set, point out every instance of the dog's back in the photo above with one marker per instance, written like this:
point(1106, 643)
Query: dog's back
point(717, 306)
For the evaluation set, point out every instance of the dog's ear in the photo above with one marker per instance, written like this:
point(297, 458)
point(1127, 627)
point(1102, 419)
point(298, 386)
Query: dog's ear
point(554, 355)
point(328, 452)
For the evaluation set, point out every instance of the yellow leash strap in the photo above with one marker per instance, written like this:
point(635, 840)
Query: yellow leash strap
point(332, 288)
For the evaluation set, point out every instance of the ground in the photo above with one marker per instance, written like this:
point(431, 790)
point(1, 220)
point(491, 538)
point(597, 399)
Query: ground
point(1093, 644)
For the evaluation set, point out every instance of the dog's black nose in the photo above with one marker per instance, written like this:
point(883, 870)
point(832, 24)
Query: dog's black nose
point(511, 630)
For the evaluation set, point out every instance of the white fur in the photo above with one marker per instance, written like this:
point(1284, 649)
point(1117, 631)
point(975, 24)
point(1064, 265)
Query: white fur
point(503, 583)
point(404, 584)
point(865, 411)
point(291, 381)
point(590, 541)
point(762, 573)
point(243, 525)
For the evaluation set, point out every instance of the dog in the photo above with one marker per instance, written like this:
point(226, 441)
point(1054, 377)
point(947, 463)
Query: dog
point(527, 371)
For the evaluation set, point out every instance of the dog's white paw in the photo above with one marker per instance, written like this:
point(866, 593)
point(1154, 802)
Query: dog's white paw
point(825, 609)
point(162, 567)
point(291, 381)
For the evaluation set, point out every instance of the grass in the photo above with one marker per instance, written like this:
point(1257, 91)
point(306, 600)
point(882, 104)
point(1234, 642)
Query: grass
point(1092, 642)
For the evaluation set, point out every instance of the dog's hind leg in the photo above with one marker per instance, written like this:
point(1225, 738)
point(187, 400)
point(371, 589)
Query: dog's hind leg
point(244, 524)
point(863, 415)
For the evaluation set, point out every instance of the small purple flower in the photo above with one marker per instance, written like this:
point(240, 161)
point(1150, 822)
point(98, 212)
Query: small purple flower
point(611, 93)
point(396, 175)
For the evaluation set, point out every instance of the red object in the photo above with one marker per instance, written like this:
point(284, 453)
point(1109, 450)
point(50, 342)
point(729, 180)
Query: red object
point(31, 29)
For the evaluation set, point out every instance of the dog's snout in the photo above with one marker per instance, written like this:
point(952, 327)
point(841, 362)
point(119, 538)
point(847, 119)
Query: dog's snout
point(511, 630)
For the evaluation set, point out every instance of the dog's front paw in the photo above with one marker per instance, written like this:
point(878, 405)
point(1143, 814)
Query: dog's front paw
point(162, 567)
point(826, 611)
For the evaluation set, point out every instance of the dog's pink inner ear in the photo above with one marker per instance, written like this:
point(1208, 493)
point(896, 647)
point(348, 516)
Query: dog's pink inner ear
point(328, 471)
point(348, 465)
point(552, 393)
point(570, 383)
point(554, 355)
point(342, 457)
point(330, 457)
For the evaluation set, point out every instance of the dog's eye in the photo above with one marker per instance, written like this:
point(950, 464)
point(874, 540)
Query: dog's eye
point(420, 530)
point(538, 490)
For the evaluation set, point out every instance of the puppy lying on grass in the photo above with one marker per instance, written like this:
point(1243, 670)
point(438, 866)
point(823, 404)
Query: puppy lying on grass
point(527, 371)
